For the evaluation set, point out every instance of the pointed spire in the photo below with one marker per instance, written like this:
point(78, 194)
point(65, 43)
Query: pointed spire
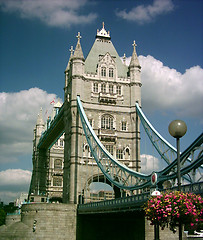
point(71, 51)
point(134, 59)
point(124, 59)
point(78, 50)
point(71, 55)
point(40, 118)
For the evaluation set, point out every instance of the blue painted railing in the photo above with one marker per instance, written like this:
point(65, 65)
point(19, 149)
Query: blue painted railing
point(134, 202)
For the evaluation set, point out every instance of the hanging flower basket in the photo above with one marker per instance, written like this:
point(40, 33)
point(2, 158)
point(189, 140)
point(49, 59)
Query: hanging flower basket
point(173, 208)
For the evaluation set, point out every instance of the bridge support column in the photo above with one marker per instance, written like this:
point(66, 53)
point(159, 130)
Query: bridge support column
point(71, 154)
point(38, 184)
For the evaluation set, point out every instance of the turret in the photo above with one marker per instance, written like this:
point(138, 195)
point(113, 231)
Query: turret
point(39, 127)
point(134, 67)
point(78, 59)
point(135, 78)
point(77, 72)
point(67, 73)
point(56, 109)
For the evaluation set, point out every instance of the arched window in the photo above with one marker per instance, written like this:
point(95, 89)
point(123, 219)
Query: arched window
point(57, 181)
point(124, 126)
point(95, 87)
point(103, 71)
point(103, 87)
point(86, 150)
point(107, 122)
point(61, 143)
point(118, 90)
point(58, 164)
point(111, 72)
point(127, 153)
point(111, 88)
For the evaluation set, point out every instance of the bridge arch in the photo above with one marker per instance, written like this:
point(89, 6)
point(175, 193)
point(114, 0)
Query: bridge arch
point(99, 180)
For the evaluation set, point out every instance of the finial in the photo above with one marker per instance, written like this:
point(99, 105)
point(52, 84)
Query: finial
point(134, 44)
point(71, 51)
point(134, 59)
point(124, 59)
point(103, 33)
point(78, 37)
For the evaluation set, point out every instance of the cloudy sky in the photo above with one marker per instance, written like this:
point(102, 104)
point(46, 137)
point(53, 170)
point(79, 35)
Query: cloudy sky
point(35, 38)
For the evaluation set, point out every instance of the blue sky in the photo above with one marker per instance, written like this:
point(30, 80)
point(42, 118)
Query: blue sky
point(35, 38)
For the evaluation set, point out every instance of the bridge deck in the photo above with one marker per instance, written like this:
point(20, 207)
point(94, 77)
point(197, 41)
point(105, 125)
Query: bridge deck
point(131, 203)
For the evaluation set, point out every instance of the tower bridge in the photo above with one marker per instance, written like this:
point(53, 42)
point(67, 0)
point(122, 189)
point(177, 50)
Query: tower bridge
point(94, 136)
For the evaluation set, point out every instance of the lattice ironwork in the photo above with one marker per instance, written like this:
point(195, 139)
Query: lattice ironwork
point(125, 178)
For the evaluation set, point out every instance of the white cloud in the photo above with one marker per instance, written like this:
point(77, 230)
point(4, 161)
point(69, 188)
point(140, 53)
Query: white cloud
point(18, 116)
point(167, 89)
point(150, 163)
point(142, 14)
point(15, 177)
point(62, 13)
point(12, 183)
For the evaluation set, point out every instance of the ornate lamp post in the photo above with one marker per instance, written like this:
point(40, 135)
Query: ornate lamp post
point(178, 129)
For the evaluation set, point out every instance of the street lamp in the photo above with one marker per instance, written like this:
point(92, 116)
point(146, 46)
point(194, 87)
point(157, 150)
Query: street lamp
point(178, 129)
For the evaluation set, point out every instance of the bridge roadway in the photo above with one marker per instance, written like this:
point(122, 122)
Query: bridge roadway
point(130, 203)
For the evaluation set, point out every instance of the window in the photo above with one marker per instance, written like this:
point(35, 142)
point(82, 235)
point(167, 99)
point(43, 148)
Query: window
point(118, 90)
point(111, 89)
point(119, 153)
point(86, 151)
point(107, 122)
point(58, 164)
point(123, 126)
point(95, 87)
point(103, 88)
point(110, 72)
point(61, 142)
point(57, 181)
point(91, 122)
point(103, 72)
point(127, 153)
point(109, 148)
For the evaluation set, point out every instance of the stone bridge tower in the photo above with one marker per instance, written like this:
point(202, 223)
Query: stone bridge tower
point(108, 90)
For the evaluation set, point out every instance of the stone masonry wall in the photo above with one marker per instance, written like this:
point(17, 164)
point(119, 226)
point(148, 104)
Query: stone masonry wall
point(45, 221)
point(12, 219)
